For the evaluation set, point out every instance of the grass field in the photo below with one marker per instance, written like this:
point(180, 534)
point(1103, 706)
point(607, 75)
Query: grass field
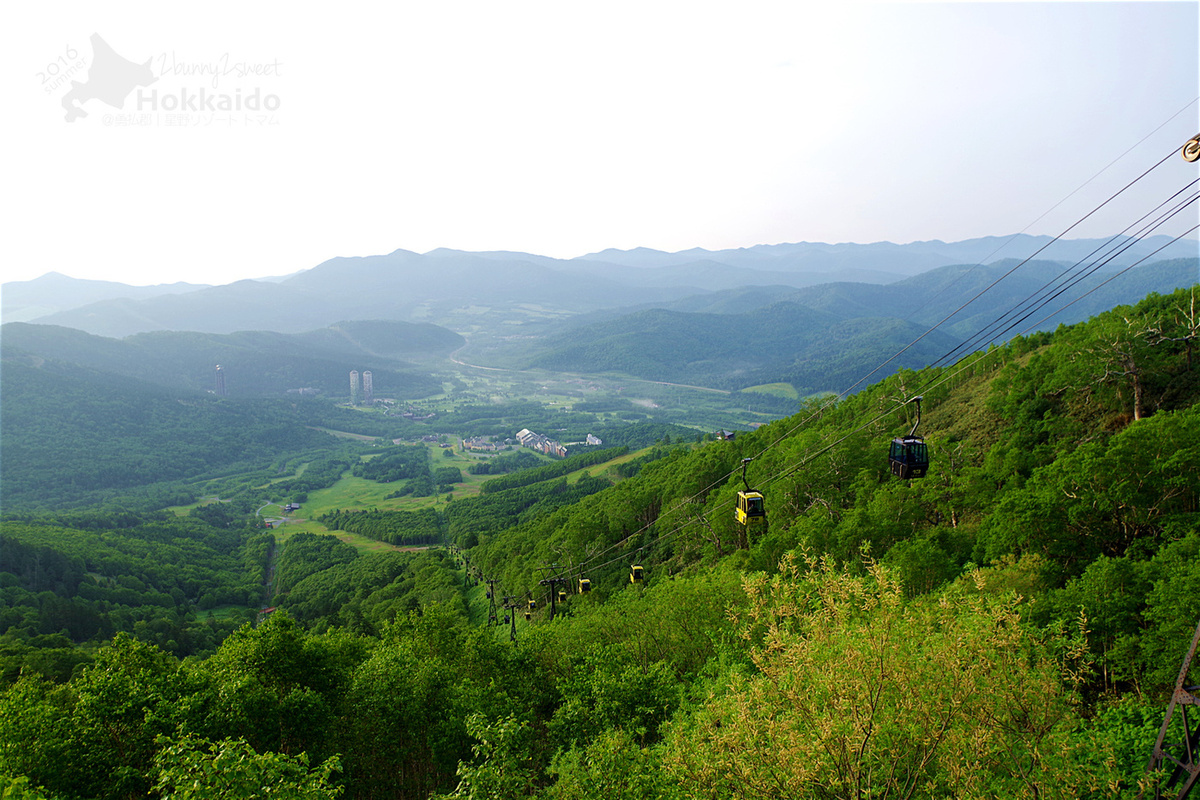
point(359, 493)
point(360, 543)
point(785, 390)
point(182, 511)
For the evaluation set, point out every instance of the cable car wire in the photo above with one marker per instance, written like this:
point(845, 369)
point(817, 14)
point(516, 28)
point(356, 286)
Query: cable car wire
point(832, 401)
point(590, 563)
point(1119, 247)
point(1022, 263)
point(1050, 210)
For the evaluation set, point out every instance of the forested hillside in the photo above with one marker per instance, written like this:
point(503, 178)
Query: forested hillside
point(73, 435)
point(1009, 625)
point(255, 363)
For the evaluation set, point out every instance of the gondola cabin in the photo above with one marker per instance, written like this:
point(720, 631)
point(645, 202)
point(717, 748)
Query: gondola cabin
point(751, 510)
point(585, 585)
point(636, 574)
point(562, 595)
point(909, 457)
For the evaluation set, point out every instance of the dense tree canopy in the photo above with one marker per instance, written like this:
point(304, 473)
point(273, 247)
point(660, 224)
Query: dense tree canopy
point(1007, 626)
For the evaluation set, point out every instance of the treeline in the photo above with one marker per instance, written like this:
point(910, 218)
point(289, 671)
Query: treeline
point(522, 459)
point(395, 464)
point(394, 527)
point(628, 469)
point(551, 471)
point(637, 435)
point(465, 520)
point(410, 464)
point(469, 519)
point(320, 473)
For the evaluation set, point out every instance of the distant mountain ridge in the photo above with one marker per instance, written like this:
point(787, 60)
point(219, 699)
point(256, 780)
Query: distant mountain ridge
point(468, 291)
point(54, 292)
point(821, 338)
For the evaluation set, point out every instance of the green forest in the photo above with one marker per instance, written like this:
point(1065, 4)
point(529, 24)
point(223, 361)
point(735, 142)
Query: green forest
point(1011, 625)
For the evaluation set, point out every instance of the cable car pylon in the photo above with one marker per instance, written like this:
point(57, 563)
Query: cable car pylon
point(510, 606)
point(1181, 759)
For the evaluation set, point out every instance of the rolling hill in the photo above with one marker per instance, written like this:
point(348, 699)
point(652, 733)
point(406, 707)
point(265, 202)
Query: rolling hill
point(255, 363)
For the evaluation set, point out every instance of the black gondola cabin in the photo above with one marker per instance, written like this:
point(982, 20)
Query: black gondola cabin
point(909, 457)
point(585, 585)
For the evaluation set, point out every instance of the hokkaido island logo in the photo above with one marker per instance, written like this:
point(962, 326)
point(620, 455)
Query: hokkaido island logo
point(110, 79)
point(178, 91)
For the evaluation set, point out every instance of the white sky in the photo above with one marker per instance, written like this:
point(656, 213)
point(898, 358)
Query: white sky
point(562, 128)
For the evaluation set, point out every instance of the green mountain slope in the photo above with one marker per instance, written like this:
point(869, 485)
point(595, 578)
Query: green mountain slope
point(810, 348)
point(1010, 625)
point(71, 435)
point(254, 362)
point(1077, 449)
point(823, 338)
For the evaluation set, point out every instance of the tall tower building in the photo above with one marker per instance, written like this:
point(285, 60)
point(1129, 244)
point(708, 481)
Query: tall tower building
point(219, 382)
point(354, 396)
point(368, 389)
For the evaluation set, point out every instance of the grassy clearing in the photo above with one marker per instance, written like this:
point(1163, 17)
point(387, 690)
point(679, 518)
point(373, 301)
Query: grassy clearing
point(360, 543)
point(359, 493)
point(776, 389)
point(704, 408)
point(345, 434)
point(223, 612)
point(182, 511)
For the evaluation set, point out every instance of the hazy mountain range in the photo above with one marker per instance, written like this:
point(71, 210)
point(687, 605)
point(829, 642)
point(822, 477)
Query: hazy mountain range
point(726, 319)
point(823, 337)
point(468, 291)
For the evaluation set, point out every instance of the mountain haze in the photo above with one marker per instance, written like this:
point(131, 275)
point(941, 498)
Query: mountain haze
point(473, 291)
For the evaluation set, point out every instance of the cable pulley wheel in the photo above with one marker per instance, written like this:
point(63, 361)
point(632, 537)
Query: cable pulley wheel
point(1191, 150)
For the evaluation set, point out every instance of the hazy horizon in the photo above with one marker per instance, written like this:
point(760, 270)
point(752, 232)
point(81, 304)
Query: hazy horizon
point(1003, 241)
point(161, 146)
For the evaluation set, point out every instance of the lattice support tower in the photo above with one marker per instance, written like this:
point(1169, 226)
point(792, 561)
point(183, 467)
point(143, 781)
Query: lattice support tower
point(1179, 759)
point(491, 596)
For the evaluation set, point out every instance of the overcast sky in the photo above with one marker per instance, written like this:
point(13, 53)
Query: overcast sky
point(563, 128)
